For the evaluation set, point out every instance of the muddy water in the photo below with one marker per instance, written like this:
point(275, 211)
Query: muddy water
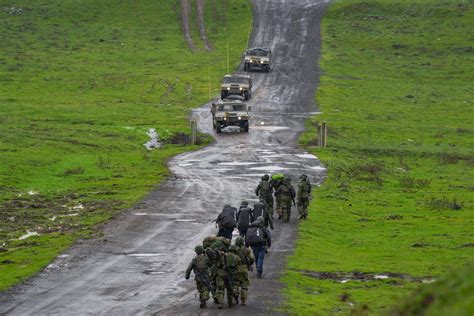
point(138, 266)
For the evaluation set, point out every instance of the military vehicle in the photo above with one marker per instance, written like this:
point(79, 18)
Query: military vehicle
point(258, 58)
point(230, 112)
point(236, 85)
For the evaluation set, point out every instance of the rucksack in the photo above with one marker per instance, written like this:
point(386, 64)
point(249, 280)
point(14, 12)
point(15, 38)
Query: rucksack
point(244, 218)
point(255, 237)
point(227, 219)
point(285, 190)
point(265, 190)
point(258, 210)
point(278, 176)
point(201, 262)
point(230, 261)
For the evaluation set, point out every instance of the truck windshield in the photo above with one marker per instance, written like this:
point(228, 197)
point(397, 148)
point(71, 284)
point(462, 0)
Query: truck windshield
point(258, 52)
point(231, 107)
point(235, 80)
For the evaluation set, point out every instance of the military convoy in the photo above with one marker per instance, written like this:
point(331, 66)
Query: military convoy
point(258, 58)
point(236, 85)
point(230, 112)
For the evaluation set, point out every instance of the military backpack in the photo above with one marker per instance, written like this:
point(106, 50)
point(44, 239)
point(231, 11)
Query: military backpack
point(201, 262)
point(255, 237)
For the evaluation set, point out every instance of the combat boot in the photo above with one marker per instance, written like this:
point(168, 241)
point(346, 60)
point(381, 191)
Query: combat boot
point(236, 297)
point(203, 304)
point(230, 301)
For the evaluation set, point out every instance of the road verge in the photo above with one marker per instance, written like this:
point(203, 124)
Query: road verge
point(398, 197)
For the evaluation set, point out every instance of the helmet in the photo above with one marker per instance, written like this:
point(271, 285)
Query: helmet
point(207, 242)
point(199, 249)
point(287, 180)
point(244, 203)
point(265, 177)
point(260, 220)
point(239, 242)
point(233, 248)
point(303, 177)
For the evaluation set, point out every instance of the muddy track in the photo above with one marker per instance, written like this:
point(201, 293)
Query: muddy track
point(185, 11)
point(138, 266)
point(200, 4)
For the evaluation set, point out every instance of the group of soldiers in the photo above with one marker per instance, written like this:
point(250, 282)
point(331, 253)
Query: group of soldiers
point(221, 267)
point(281, 188)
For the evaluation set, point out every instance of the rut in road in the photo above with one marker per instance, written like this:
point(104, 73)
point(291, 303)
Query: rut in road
point(138, 266)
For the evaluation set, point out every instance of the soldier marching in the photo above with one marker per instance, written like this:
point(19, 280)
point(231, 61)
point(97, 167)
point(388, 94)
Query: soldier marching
point(221, 269)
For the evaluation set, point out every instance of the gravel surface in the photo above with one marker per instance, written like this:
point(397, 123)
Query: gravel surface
point(138, 266)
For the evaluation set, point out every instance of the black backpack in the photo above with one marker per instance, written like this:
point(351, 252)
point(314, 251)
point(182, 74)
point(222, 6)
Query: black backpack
point(255, 236)
point(244, 218)
point(258, 210)
point(227, 218)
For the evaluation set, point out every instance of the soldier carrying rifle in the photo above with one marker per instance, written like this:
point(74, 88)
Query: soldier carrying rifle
point(200, 265)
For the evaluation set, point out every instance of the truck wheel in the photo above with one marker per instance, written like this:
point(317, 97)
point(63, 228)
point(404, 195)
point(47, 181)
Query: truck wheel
point(223, 95)
point(246, 67)
point(218, 128)
point(245, 127)
point(246, 95)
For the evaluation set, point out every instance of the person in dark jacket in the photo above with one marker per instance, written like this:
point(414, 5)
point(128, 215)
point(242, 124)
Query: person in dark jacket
point(258, 238)
point(264, 192)
point(226, 222)
point(244, 216)
point(260, 209)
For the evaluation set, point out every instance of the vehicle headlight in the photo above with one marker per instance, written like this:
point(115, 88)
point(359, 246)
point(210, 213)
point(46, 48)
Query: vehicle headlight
point(239, 118)
point(261, 61)
point(240, 88)
point(225, 118)
point(228, 88)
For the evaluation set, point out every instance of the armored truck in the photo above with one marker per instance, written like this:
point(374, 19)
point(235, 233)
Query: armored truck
point(230, 112)
point(258, 58)
point(236, 85)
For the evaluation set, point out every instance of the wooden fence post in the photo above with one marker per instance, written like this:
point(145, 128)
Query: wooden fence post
point(324, 130)
point(322, 134)
point(193, 132)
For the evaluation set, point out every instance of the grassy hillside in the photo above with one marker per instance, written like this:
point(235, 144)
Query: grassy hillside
point(81, 84)
point(397, 207)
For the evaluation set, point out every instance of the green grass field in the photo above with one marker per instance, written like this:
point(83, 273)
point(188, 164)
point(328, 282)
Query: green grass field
point(397, 206)
point(81, 84)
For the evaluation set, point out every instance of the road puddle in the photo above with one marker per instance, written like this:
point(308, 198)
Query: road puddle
point(269, 128)
point(185, 164)
point(238, 163)
point(270, 168)
point(139, 255)
point(306, 156)
point(154, 272)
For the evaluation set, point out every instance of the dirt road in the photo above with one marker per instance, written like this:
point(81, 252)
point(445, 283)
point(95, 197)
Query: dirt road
point(138, 266)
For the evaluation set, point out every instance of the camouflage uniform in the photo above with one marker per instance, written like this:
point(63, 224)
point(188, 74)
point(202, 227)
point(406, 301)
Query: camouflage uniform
point(304, 193)
point(275, 184)
point(200, 266)
point(264, 192)
point(241, 279)
point(225, 276)
point(287, 195)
